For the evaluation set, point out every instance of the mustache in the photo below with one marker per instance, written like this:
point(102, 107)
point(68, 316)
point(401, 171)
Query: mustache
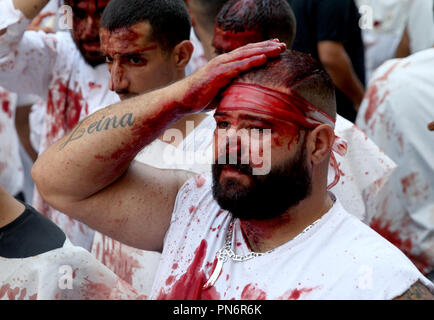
point(233, 162)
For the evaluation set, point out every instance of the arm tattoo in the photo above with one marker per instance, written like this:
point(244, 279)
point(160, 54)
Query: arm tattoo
point(105, 123)
point(416, 292)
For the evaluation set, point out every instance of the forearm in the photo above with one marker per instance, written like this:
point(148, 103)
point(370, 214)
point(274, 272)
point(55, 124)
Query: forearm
point(100, 148)
point(339, 66)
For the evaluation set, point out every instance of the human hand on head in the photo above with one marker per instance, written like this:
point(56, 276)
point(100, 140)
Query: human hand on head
point(205, 84)
point(431, 126)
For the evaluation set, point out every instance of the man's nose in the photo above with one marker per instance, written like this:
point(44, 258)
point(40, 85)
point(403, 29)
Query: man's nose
point(118, 80)
point(236, 144)
point(91, 28)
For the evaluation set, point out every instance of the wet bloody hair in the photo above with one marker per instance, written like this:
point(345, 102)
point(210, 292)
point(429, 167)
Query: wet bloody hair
point(269, 18)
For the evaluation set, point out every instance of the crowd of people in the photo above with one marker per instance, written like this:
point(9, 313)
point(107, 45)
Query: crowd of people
point(227, 149)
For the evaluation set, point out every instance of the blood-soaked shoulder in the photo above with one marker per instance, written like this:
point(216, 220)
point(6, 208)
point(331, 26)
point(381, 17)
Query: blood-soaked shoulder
point(417, 291)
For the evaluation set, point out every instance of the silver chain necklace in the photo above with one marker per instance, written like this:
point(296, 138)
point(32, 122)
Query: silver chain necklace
point(226, 253)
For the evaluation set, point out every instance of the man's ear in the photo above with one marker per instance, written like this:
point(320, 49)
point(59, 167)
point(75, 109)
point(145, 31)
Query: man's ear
point(182, 53)
point(321, 141)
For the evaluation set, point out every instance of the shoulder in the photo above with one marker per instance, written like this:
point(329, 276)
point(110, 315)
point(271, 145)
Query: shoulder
point(417, 291)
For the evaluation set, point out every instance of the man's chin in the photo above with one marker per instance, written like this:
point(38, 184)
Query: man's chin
point(235, 178)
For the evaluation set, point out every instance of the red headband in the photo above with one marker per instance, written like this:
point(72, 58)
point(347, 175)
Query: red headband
point(288, 107)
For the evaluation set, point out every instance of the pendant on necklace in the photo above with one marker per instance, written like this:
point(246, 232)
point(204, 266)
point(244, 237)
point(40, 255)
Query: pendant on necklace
point(221, 259)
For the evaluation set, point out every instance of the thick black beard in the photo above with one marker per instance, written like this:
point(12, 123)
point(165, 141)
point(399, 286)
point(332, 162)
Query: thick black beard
point(270, 195)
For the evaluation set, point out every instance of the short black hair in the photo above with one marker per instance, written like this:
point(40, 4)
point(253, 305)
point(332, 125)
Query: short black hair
point(169, 19)
point(299, 72)
point(272, 18)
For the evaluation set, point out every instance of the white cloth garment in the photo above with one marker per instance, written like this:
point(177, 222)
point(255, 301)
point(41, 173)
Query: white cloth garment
point(390, 17)
point(67, 273)
point(338, 258)
point(11, 168)
point(395, 113)
point(51, 67)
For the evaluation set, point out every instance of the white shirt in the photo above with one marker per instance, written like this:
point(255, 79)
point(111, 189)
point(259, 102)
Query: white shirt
point(51, 66)
point(11, 169)
point(67, 273)
point(390, 17)
point(395, 113)
point(338, 258)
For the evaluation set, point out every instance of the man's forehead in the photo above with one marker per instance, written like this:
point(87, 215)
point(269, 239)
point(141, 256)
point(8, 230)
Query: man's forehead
point(90, 6)
point(137, 38)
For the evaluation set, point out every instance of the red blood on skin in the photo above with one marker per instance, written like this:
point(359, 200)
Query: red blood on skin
point(255, 231)
point(190, 285)
point(95, 291)
point(226, 41)
point(64, 106)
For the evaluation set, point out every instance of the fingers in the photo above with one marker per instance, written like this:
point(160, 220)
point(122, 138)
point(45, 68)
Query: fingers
point(270, 48)
point(239, 66)
point(38, 20)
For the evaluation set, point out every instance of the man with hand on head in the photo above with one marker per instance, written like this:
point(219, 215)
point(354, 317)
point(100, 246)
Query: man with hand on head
point(66, 69)
point(197, 223)
point(240, 22)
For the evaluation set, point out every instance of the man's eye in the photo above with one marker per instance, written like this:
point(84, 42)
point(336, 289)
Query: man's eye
point(136, 60)
point(223, 124)
point(108, 59)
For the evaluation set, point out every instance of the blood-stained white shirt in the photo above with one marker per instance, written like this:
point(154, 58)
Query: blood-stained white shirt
point(11, 169)
point(339, 257)
point(67, 273)
point(51, 66)
point(395, 113)
point(390, 18)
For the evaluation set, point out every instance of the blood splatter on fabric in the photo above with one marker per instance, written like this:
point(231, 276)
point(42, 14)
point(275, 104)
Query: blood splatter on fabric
point(251, 292)
point(190, 285)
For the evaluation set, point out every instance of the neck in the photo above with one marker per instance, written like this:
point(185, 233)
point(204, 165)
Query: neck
point(10, 209)
point(262, 236)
